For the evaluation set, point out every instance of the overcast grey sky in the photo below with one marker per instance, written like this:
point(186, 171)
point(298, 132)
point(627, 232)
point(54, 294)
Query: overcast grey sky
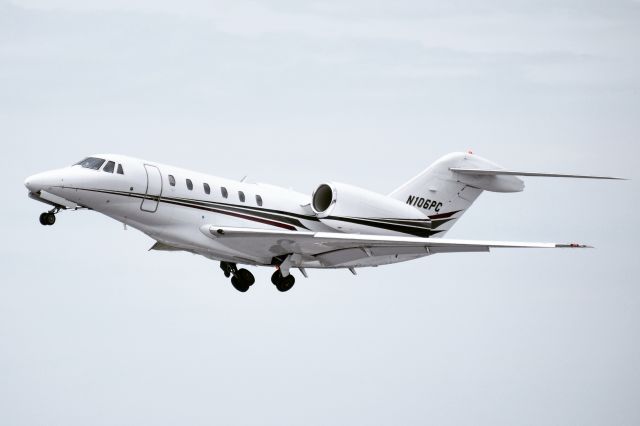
point(94, 329)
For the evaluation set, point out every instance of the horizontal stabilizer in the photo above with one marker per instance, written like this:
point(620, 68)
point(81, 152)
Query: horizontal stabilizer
point(486, 172)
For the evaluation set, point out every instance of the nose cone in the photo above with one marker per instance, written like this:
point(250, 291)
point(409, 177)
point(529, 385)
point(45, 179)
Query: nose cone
point(29, 183)
point(43, 181)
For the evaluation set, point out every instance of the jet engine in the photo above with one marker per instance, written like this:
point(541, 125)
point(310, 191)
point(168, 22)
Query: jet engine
point(350, 209)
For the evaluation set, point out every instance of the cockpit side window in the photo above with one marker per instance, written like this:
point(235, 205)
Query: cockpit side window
point(91, 163)
point(120, 170)
point(110, 167)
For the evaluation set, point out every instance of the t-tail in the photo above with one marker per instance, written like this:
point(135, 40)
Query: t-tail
point(447, 188)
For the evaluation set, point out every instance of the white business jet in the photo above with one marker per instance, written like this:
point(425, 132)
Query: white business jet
point(338, 226)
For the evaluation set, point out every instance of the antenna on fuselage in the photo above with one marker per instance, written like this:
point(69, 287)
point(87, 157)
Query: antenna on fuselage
point(244, 178)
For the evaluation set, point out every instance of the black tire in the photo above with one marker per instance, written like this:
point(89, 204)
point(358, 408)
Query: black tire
point(286, 283)
point(43, 219)
point(239, 285)
point(50, 219)
point(276, 277)
point(246, 277)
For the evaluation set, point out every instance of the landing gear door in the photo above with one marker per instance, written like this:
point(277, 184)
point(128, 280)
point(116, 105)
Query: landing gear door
point(154, 189)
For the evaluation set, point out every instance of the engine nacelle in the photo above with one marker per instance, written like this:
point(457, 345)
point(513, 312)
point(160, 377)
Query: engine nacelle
point(348, 208)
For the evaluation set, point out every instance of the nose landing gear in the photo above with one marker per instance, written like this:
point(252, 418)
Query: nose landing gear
point(48, 218)
point(241, 280)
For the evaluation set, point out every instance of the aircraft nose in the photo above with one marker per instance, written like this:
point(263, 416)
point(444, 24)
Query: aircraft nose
point(30, 183)
point(42, 181)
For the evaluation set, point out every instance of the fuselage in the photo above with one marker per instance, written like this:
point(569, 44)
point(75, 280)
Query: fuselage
point(170, 204)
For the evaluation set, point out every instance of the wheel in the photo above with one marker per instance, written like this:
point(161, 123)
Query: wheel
point(49, 219)
point(286, 283)
point(246, 277)
point(43, 219)
point(239, 285)
point(276, 277)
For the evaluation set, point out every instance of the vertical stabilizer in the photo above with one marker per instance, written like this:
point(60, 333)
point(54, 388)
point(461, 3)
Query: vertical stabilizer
point(444, 195)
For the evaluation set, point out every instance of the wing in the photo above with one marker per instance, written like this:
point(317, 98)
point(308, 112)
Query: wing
point(335, 249)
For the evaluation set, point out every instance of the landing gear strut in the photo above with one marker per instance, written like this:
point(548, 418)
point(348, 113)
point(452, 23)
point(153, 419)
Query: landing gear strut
point(48, 218)
point(241, 280)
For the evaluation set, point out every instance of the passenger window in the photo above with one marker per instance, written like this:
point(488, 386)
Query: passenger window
point(224, 192)
point(241, 196)
point(110, 167)
point(189, 185)
point(259, 200)
point(120, 171)
point(207, 188)
point(172, 180)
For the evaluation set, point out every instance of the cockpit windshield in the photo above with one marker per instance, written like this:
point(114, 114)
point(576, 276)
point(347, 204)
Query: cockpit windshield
point(91, 163)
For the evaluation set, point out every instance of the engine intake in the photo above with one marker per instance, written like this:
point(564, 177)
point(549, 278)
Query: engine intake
point(323, 197)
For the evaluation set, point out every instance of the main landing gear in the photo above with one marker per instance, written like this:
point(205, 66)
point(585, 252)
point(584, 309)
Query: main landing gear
point(282, 283)
point(282, 279)
point(241, 280)
point(48, 218)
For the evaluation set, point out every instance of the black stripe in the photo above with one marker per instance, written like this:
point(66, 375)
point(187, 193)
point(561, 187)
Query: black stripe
point(235, 214)
point(265, 213)
point(444, 215)
point(283, 216)
point(258, 218)
point(439, 222)
point(427, 232)
point(289, 220)
point(418, 224)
